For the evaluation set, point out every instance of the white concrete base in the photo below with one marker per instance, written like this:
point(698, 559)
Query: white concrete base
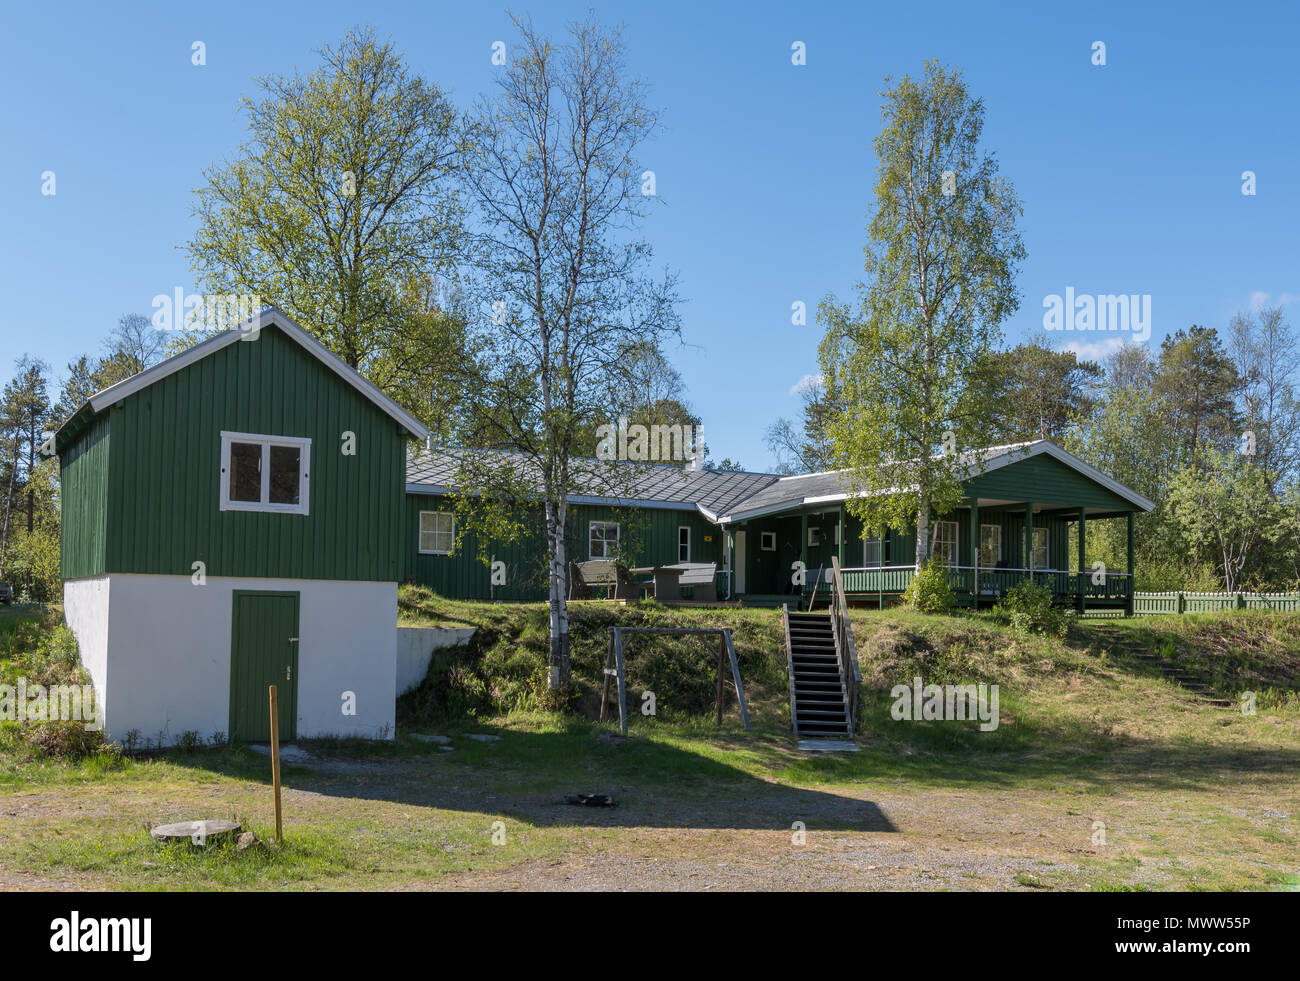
point(158, 651)
point(415, 647)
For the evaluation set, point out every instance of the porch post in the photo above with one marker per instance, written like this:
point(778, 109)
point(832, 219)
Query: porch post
point(1132, 579)
point(1029, 538)
point(1083, 559)
point(804, 557)
point(727, 548)
point(975, 552)
point(843, 535)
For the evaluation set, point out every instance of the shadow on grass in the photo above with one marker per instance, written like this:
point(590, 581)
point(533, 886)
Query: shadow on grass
point(527, 775)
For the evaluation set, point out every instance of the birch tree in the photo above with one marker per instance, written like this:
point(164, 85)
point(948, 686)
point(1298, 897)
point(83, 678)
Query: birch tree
point(911, 362)
point(560, 275)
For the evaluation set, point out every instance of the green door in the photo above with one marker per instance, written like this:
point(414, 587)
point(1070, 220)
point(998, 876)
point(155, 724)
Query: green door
point(263, 652)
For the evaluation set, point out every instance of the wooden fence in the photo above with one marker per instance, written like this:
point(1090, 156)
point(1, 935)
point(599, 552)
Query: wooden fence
point(1147, 604)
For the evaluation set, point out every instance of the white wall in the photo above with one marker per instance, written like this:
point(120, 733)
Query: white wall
point(168, 655)
point(415, 647)
point(85, 610)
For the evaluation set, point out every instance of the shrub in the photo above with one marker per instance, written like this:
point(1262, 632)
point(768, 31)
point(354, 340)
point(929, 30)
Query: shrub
point(929, 591)
point(1028, 606)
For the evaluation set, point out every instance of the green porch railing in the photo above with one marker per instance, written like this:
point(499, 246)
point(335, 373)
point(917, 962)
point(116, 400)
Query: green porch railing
point(1155, 604)
point(1084, 585)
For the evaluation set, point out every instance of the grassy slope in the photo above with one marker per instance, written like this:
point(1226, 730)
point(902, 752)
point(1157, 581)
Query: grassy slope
point(1191, 796)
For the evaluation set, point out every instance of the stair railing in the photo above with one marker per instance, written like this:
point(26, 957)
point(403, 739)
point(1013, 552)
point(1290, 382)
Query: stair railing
point(789, 665)
point(846, 650)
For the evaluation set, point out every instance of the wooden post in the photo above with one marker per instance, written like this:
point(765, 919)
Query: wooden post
point(1029, 538)
point(275, 763)
point(1132, 579)
point(622, 687)
point(722, 654)
point(1083, 560)
point(735, 674)
point(805, 558)
point(609, 666)
point(844, 534)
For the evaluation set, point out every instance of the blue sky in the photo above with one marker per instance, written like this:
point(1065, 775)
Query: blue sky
point(1130, 173)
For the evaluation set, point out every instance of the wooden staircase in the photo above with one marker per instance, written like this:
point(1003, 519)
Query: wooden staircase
point(823, 668)
point(819, 702)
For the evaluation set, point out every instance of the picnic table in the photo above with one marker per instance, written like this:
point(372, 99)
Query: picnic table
point(669, 580)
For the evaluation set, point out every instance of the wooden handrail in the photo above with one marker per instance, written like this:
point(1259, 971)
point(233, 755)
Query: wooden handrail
point(845, 648)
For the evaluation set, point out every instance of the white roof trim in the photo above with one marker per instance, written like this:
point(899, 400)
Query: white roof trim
point(1015, 452)
point(268, 317)
point(443, 490)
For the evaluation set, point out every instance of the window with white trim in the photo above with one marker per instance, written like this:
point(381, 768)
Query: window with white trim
point(990, 545)
point(814, 536)
point(437, 532)
point(602, 540)
point(683, 543)
point(943, 543)
point(265, 473)
point(1040, 549)
point(767, 541)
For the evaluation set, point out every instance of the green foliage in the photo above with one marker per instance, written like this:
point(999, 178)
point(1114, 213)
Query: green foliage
point(929, 590)
point(1028, 606)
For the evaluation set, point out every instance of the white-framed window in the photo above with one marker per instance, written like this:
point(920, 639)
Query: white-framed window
point(767, 541)
point(814, 537)
point(990, 546)
point(683, 543)
point(265, 473)
point(437, 532)
point(837, 536)
point(872, 552)
point(1040, 549)
point(943, 542)
point(602, 540)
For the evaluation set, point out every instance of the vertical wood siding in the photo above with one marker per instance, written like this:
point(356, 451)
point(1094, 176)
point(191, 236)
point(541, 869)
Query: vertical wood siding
point(164, 471)
point(84, 502)
point(649, 536)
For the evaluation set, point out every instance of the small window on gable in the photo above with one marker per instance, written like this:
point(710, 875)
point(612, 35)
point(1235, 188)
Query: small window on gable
point(265, 473)
point(767, 541)
point(683, 543)
point(437, 532)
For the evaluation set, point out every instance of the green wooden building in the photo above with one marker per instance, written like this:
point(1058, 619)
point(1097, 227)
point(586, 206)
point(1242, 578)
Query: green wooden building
point(1024, 506)
point(241, 515)
point(232, 518)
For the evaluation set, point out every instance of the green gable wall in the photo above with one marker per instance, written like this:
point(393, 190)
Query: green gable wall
point(83, 494)
point(1045, 480)
point(163, 497)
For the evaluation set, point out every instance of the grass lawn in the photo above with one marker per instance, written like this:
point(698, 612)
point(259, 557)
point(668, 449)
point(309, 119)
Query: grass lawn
point(1090, 741)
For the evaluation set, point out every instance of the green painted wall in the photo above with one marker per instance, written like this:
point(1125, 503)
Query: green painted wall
point(649, 537)
point(84, 503)
point(1044, 480)
point(161, 511)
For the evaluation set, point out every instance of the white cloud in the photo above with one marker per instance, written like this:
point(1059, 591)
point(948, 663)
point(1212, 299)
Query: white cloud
point(805, 383)
point(1260, 299)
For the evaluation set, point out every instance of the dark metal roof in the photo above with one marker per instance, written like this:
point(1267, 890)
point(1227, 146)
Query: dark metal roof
point(715, 491)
